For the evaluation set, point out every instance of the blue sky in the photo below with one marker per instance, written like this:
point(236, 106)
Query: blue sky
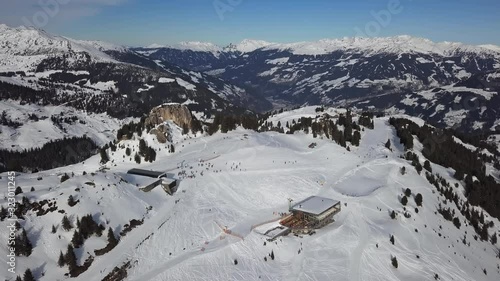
point(136, 23)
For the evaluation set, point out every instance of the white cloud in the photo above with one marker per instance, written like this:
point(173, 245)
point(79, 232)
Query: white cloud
point(50, 12)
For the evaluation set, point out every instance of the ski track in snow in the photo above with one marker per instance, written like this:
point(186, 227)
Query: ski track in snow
point(184, 239)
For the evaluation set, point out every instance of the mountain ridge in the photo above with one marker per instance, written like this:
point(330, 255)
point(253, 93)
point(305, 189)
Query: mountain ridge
point(329, 45)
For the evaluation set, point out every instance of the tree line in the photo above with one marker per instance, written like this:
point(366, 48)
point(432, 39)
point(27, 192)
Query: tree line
point(56, 153)
point(481, 189)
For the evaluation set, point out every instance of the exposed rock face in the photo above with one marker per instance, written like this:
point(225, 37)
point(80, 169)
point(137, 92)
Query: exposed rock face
point(162, 134)
point(178, 113)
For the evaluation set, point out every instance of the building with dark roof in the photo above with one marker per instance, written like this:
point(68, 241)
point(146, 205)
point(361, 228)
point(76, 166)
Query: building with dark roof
point(146, 173)
point(147, 180)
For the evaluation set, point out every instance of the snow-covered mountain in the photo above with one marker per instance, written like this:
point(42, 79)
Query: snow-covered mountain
point(469, 105)
point(28, 54)
point(394, 45)
point(336, 71)
point(22, 48)
point(195, 46)
point(376, 45)
point(39, 70)
point(245, 46)
point(232, 189)
point(249, 45)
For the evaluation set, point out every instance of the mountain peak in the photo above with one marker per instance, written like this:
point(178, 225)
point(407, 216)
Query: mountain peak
point(250, 45)
point(39, 44)
point(198, 46)
point(155, 46)
point(491, 47)
point(395, 44)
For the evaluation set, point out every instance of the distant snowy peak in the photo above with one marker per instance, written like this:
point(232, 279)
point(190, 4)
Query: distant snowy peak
point(198, 47)
point(249, 45)
point(156, 46)
point(101, 45)
point(245, 46)
point(396, 44)
point(491, 47)
point(393, 45)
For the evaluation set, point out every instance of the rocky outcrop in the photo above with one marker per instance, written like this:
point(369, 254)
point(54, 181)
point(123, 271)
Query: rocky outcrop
point(178, 113)
point(162, 134)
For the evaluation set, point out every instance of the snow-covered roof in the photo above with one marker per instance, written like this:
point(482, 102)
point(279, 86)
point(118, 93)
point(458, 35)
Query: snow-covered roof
point(315, 205)
point(140, 181)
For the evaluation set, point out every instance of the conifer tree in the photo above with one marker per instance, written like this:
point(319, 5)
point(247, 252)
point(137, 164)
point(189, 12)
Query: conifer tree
point(142, 147)
point(456, 222)
point(418, 199)
point(18, 190)
point(77, 239)
point(104, 156)
point(111, 238)
point(356, 137)
point(66, 224)
point(61, 261)
point(427, 166)
point(23, 244)
point(408, 192)
point(64, 177)
point(27, 243)
point(3, 213)
point(404, 200)
point(388, 144)
point(393, 214)
point(71, 201)
point(28, 275)
point(70, 258)
point(394, 261)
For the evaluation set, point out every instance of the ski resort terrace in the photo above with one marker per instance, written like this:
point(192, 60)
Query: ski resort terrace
point(311, 213)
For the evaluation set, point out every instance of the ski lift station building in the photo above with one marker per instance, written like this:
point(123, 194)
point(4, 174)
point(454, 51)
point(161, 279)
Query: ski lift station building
point(312, 212)
point(147, 180)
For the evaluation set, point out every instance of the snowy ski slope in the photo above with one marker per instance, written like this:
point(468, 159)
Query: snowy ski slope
point(243, 179)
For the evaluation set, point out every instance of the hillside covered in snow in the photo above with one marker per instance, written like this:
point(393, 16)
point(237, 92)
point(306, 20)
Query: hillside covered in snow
point(91, 220)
